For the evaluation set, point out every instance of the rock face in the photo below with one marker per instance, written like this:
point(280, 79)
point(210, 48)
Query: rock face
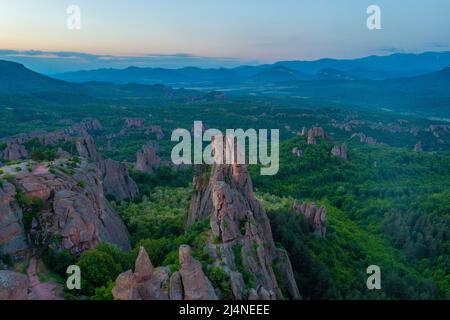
point(317, 217)
point(364, 139)
point(86, 148)
point(116, 179)
point(74, 210)
point(201, 204)
point(12, 236)
point(149, 283)
point(134, 122)
point(196, 285)
point(14, 151)
point(418, 147)
point(147, 159)
point(340, 151)
point(156, 130)
point(316, 132)
point(13, 286)
point(241, 237)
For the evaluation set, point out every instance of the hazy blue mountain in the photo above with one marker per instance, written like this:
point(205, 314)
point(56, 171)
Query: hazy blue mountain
point(378, 67)
point(16, 81)
point(427, 94)
point(373, 67)
point(15, 78)
point(278, 74)
point(334, 74)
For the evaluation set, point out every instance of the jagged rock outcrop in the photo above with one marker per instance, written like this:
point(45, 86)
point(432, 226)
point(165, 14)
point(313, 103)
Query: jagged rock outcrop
point(117, 181)
point(195, 284)
point(134, 122)
point(74, 210)
point(12, 235)
point(86, 148)
point(155, 129)
point(149, 283)
point(313, 133)
point(364, 139)
point(340, 151)
point(317, 217)
point(54, 137)
point(418, 147)
point(241, 237)
point(88, 125)
point(13, 286)
point(147, 159)
point(201, 204)
point(14, 151)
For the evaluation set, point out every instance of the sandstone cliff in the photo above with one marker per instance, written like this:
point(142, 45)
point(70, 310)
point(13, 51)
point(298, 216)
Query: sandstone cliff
point(75, 211)
point(241, 240)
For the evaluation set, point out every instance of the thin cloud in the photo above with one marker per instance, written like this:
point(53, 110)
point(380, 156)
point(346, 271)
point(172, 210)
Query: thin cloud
point(51, 62)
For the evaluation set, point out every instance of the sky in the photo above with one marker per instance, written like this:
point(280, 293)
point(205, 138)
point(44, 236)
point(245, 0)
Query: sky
point(213, 33)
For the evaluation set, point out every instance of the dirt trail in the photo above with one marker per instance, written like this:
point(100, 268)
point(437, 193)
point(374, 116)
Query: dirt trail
point(39, 290)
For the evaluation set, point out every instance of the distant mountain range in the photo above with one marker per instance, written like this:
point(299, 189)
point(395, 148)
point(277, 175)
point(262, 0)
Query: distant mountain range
point(16, 81)
point(373, 67)
point(428, 93)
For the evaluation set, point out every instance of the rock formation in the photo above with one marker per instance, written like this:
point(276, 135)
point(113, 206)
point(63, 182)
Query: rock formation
point(149, 283)
point(155, 130)
point(241, 237)
point(418, 147)
point(317, 217)
point(313, 133)
point(201, 205)
point(134, 122)
point(364, 139)
point(13, 286)
point(86, 148)
point(147, 159)
point(14, 151)
point(74, 210)
point(340, 151)
point(116, 179)
point(12, 235)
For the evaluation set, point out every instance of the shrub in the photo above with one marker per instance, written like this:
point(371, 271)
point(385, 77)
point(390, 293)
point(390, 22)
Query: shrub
point(97, 269)
point(58, 261)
